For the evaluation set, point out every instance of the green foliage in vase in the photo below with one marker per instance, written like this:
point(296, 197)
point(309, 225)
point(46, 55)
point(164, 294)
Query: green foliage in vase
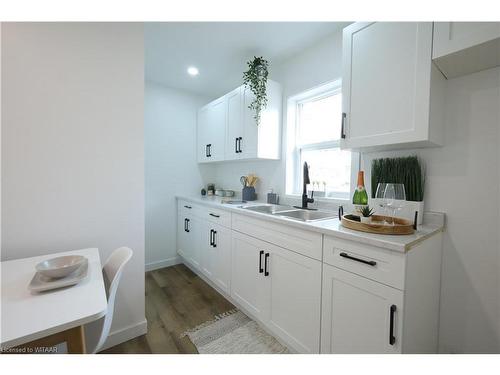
point(404, 170)
point(255, 78)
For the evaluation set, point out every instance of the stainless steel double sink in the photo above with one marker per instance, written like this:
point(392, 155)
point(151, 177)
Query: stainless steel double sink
point(291, 212)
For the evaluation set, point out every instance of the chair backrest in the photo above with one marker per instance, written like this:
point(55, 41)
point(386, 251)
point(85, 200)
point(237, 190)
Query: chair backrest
point(112, 272)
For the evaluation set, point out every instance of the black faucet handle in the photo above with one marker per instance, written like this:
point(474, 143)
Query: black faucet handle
point(311, 200)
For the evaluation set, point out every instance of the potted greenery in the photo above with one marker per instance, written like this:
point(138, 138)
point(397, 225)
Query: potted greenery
point(366, 214)
point(402, 170)
point(255, 78)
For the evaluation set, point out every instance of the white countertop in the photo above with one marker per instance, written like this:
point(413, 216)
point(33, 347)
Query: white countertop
point(332, 227)
point(27, 317)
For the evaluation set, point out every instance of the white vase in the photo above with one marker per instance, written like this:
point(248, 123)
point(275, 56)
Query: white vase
point(366, 220)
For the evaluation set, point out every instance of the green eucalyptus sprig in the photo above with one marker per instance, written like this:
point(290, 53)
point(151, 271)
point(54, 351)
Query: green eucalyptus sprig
point(256, 79)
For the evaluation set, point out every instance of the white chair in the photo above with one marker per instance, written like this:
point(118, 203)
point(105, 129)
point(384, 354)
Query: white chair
point(112, 272)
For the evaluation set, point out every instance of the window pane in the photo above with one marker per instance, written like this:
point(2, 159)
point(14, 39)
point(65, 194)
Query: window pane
point(329, 171)
point(319, 119)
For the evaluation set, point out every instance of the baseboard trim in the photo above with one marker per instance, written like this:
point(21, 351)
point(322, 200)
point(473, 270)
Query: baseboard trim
point(163, 263)
point(125, 334)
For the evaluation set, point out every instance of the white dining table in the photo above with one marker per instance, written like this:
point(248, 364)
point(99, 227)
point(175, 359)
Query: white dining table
point(58, 314)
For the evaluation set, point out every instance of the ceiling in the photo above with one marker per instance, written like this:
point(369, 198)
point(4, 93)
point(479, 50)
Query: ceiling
point(220, 50)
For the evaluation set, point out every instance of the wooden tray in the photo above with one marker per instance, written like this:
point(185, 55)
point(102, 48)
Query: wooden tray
point(378, 225)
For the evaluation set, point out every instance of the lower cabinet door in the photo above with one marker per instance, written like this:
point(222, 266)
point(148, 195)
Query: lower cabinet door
point(183, 247)
point(221, 263)
point(215, 257)
point(359, 315)
point(294, 298)
point(248, 285)
point(194, 234)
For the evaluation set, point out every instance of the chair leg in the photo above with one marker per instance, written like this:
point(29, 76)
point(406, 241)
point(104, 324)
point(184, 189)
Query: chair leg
point(75, 340)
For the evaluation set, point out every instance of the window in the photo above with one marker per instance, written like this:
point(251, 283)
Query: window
point(313, 136)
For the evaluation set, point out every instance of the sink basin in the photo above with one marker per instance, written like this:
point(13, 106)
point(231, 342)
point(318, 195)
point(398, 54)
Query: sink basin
point(307, 215)
point(271, 209)
point(291, 212)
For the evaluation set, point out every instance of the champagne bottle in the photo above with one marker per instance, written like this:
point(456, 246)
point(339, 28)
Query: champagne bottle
point(360, 197)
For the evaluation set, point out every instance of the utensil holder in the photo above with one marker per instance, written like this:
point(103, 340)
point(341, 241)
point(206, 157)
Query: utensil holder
point(248, 193)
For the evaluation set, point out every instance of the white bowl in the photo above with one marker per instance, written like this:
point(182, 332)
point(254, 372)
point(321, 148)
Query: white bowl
point(60, 266)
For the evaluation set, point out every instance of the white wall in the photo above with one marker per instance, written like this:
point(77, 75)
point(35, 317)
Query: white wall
point(73, 147)
point(171, 167)
point(316, 65)
point(463, 180)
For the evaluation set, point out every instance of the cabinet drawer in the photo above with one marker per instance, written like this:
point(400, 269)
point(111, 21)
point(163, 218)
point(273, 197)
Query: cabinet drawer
point(216, 216)
point(187, 208)
point(387, 267)
point(301, 241)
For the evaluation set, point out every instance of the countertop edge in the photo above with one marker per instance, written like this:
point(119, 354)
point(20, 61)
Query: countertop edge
point(346, 234)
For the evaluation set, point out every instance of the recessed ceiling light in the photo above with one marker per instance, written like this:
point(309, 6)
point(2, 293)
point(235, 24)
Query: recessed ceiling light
point(193, 71)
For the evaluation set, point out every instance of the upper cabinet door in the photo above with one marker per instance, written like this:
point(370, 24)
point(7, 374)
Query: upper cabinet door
point(451, 37)
point(212, 131)
point(386, 85)
point(359, 316)
point(461, 48)
point(235, 129)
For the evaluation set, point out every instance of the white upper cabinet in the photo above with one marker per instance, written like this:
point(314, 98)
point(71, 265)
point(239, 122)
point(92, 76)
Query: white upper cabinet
point(461, 48)
point(243, 138)
point(212, 131)
point(391, 92)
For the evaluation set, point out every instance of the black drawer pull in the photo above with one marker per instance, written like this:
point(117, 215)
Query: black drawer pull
point(260, 261)
point(187, 225)
point(211, 237)
point(214, 215)
point(392, 338)
point(188, 207)
point(215, 239)
point(266, 272)
point(369, 262)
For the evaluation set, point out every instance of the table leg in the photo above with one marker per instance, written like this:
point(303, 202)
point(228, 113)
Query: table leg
point(74, 338)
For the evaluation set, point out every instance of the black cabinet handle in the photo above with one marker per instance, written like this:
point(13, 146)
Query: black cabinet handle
point(239, 144)
point(206, 151)
point(392, 338)
point(187, 225)
point(260, 261)
point(214, 215)
point(266, 272)
point(342, 127)
point(211, 237)
point(369, 262)
point(215, 239)
point(188, 207)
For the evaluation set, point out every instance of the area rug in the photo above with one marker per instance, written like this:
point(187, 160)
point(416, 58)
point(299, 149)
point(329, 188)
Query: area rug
point(233, 333)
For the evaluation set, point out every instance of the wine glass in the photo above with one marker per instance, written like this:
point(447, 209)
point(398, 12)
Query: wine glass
point(394, 198)
point(379, 195)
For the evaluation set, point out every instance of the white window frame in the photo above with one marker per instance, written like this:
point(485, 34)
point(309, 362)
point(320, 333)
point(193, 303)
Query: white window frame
point(293, 174)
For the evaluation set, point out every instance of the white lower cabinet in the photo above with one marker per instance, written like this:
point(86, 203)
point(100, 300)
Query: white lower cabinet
point(359, 315)
point(188, 237)
point(313, 292)
point(280, 288)
point(216, 254)
point(248, 283)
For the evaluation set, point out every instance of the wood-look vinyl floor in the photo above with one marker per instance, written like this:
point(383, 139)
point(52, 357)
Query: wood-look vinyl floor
point(176, 300)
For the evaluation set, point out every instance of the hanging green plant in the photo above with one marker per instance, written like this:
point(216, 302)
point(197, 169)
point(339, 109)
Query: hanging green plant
point(255, 78)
